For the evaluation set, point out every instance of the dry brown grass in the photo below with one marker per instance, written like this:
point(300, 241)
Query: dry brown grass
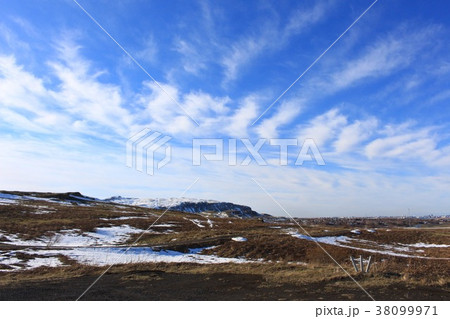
point(409, 236)
point(273, 273)
point(22, 220)
point(280, 251)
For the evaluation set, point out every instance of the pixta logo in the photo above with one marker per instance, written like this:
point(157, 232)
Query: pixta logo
point(142, 149)
point(148, 151)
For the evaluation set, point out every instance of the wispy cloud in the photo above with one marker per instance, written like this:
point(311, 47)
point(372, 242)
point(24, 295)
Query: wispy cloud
point(149, 50)
point(323, 127)
point(390, 53)
point(353, 134)
point(375, 105)
point(194, 61)
point(25, 102)
point(286, 113)
point(246, 49)
point(400, 142)
point(81, 93)
point(238, 122)
point(12, 41)
point(78, 102)
point(304, 18)
point(270, 37)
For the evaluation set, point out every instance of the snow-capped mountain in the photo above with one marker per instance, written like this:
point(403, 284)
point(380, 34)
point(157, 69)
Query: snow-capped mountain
point(155, 202)
point(189, 205)
point(182, 204)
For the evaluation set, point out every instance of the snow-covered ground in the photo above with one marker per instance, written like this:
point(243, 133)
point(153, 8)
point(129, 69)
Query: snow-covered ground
point(423, 245)
point(75, 238)
point(124, 218)
point(400, 250)
point(39, 262)
point(84, 248)
point(196, 222)
point(43, 210)
point(164, 225)
point(110, 256)
point(10, 259)
point(156, 202)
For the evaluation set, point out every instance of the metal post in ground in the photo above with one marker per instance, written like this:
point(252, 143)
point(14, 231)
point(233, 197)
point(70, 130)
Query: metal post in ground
point(361, 266)
point(354, 263)
point(368, 264)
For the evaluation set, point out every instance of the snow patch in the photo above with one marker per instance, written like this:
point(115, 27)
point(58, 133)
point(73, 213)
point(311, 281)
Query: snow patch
point(241, 239)
point(75, 238)
point(123, 218)
point(195, 222)
point(39, 262)
point(346, 242)
point(164, 225)
point(424, 245)
point(112, 256)
point(331, 240)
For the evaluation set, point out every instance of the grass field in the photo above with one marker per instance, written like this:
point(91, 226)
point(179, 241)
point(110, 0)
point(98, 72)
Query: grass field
point(54, 248)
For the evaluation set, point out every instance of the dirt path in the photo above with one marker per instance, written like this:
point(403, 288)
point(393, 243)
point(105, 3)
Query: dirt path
point(160, 285)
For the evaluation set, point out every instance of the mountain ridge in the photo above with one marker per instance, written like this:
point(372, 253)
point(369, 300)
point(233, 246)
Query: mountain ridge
point(190, 205)
point(181, 204)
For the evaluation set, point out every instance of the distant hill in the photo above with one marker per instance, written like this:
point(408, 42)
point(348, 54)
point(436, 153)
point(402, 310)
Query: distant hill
point(69, 196)
point(190, 205)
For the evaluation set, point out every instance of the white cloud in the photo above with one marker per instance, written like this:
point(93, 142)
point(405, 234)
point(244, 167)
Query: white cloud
point(237, 124)
point(353, 134)
point(202, 105)
point(270, 37)
point(12, 40)
point(324, 127)
point(391, 53)
point(159, 107)
point(441, 96)
point(443, 160)
point(404, 142)
point(304, 18)
point(149, 50)
point(84, 96)
point(161, 112)
point(193, 60)
point(15, 83)
point(285, 114)
point(26, 103)
point(201, 49)
point(84, 102)
point(244, 50)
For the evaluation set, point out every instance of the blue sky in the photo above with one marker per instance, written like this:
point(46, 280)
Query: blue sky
point(376, 104)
